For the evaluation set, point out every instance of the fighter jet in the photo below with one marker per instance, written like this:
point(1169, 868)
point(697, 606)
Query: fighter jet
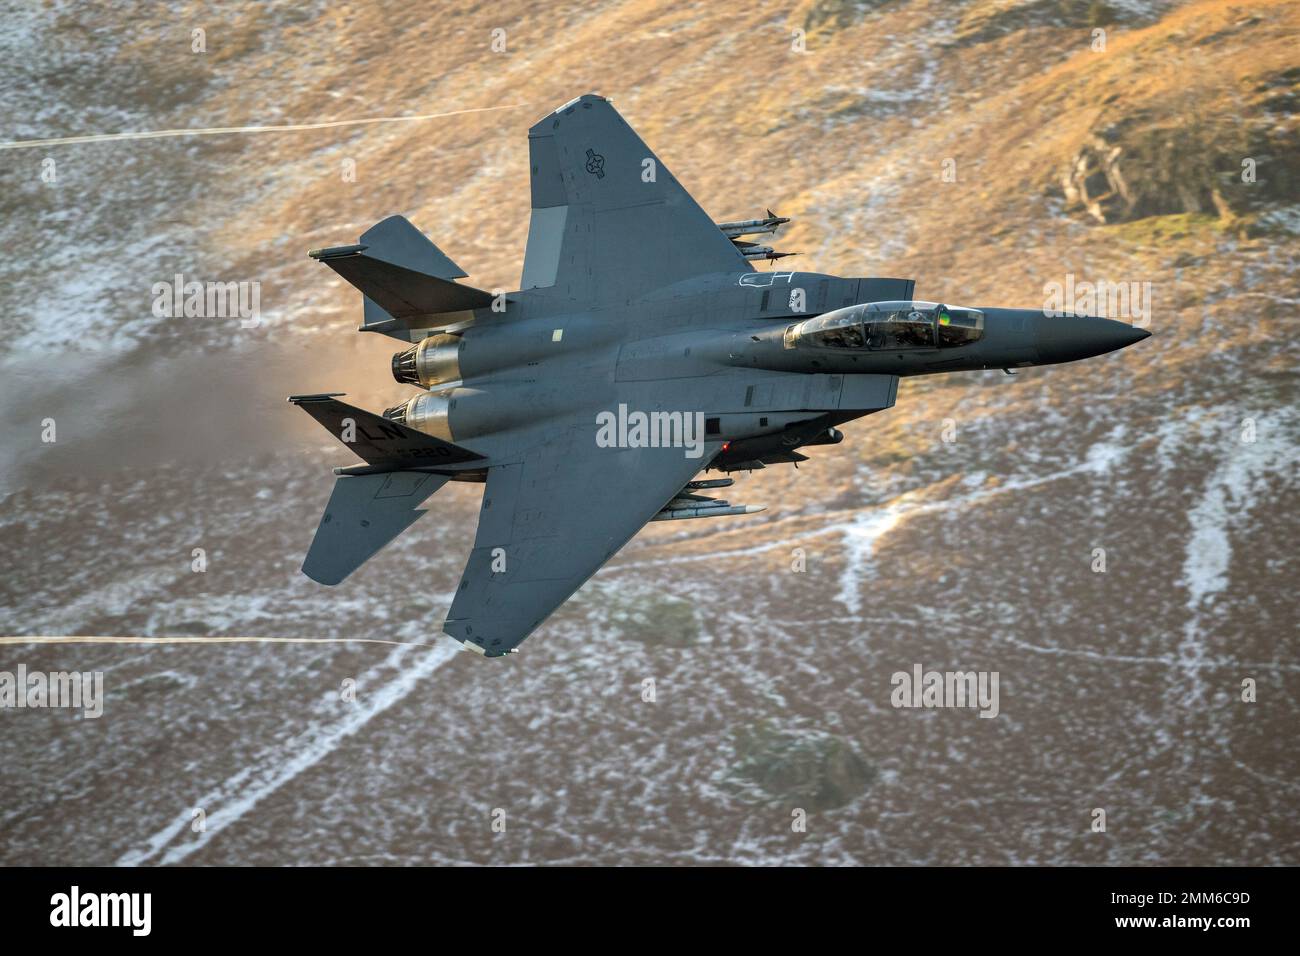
point(641, 349)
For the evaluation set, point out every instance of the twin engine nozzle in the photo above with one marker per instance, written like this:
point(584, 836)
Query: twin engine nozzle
point(427, 413)
point(430, 362)
point(433, 362)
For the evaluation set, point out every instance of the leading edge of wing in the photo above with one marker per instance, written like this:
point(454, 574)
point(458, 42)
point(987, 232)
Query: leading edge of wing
point(549, 522)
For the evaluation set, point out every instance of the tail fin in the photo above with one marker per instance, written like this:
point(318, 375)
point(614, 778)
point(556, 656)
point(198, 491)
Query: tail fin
point(380, 441)
point(407, 281)
point(364, 514)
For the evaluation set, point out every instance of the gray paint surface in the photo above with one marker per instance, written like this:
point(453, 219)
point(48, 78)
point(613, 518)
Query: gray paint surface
point(632, 302)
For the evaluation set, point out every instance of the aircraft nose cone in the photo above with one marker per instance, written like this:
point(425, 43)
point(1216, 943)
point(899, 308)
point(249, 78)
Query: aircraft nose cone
point(1068, 338)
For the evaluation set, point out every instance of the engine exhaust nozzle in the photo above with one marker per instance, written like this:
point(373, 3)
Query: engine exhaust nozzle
point(430, 362)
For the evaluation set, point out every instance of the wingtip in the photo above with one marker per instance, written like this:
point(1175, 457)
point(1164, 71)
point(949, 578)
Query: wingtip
point(316, 397)
point(336, 252)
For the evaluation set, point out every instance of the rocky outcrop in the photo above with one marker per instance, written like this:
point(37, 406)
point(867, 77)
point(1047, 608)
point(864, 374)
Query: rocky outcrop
point(1095, 182)
point(989, 19)
point(654, 619)
point(815, 16)
point(810, 769)
point(1187, 161)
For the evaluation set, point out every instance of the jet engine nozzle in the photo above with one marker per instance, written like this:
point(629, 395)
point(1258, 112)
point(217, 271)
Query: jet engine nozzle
point(425, 413)
point(432, 361)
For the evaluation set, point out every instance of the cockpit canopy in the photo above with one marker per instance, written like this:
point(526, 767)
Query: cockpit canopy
point(889, 325)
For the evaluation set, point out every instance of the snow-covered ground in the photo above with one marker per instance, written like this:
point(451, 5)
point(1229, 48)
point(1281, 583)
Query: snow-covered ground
point(770, 639)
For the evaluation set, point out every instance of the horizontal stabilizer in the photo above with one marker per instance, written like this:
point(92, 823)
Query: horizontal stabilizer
point(405, 278)
point(364, 514)
point(377, 440)
point(401, 293)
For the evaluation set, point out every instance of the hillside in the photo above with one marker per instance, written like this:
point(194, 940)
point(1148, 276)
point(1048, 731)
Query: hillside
point(1119, 689)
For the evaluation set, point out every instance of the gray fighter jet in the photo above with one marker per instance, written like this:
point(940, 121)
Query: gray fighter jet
point(641, 349)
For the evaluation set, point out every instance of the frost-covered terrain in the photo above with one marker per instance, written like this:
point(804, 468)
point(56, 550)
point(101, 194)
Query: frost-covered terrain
point(1116, 539)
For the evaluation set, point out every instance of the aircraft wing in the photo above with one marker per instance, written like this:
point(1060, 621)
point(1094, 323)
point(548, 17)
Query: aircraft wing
point(609, 221)
point(548, 523)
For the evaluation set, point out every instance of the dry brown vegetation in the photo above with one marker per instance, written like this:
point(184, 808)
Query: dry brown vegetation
point(1121, 686)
